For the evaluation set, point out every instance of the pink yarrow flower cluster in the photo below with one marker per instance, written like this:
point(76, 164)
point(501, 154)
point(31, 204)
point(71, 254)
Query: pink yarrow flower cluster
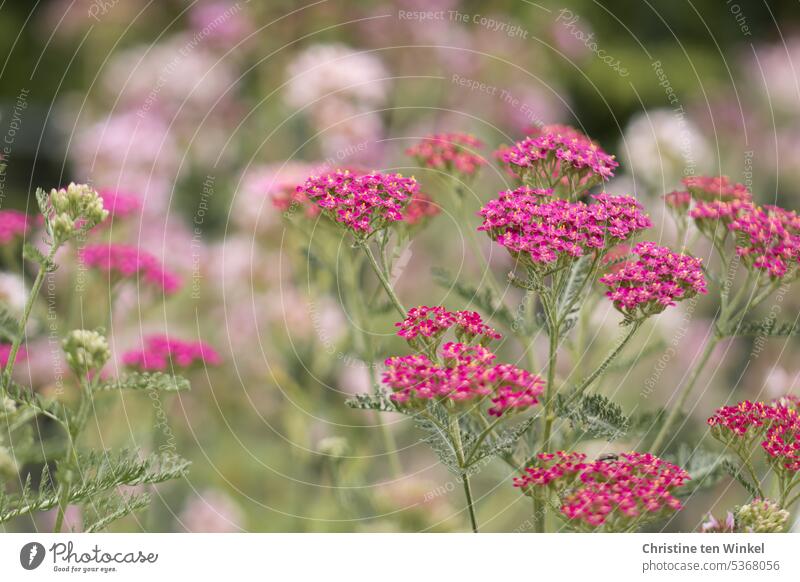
point(768, 239)
point(559, 154)
point(774, 425)
point(127, 261)
point(13, 224)
point(467, 374)
point(615, 494)
point(451, 152)
point(363, 203)
point(161, 353)
point(656, 280)
point(542, 231)
point(433, 322)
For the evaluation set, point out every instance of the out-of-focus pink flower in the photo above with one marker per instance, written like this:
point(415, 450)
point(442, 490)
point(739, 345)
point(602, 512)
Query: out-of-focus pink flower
point(120, 204)
point(126, 262)
point(212, 512)
point(13, 225)
point(5, 352)
point(451, 152)
point(161, 353)
point(222, 21)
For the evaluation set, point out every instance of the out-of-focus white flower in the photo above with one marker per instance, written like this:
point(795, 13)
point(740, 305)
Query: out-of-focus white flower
point(13, 291)
point(323, 69)
point(661, 147)
point(177, 74)
point(212, 512)
point(779, 383)
point(774, 70)
point(254, 210)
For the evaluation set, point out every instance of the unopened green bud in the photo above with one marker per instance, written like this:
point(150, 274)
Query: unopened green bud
point(761, 516)
point(76, 205)
point(86, 350)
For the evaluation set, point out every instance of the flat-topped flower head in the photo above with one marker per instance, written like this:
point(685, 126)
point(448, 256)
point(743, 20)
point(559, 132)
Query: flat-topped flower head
point(466, 374)
point(127, 262)
point(72, 210)
point(656, 280)
point(614, 495)
point(162, 353)
point(362, 203)
point(774, 425)
point(549, 233)
point(761, 516)
point(450, 152)
point(13, 225)
point(559, 155)
point(768, 239)
point(432, 322)
point(719, 188)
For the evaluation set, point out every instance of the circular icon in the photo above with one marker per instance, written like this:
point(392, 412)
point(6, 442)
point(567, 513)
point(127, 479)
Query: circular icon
point(31, 555)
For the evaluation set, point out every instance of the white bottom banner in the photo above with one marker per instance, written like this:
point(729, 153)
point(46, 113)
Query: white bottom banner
point(407, 557)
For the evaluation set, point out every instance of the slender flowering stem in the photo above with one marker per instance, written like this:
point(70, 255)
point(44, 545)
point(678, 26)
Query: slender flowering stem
point(23, 323)
point(387, 285)
point(666, 428)
point(455, 433)
point(632, 328)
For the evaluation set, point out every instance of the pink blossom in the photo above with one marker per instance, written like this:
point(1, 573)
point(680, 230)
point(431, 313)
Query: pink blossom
point(542, 231)
point(363, 203)
point(126, 261)
point(768, 239)
point(5, 352)
point(162, 353)
point(120, 204)
point(655, 281)
point(13, 224)
point(614, 493)
point(559, 154)
point(451, 152)
point(467, 374)
point(433, 322)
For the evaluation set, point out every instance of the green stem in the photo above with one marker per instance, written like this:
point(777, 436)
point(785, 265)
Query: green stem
point(455, 433)
point(666, 428)
point(607, 362)
point(37, 285)
point(552, 359)
point(382, 278)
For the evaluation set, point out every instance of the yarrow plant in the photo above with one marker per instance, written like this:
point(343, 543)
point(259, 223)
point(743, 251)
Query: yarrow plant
point(615, 494)
point(73, 474)
point(569, 243)
point(774, 427)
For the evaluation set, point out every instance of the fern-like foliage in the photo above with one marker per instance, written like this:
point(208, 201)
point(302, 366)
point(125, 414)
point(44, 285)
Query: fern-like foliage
point(736, 472)
point(706, 467)
point(769, 328)
point(379, 401)
point(575, 291)
point(99, 473)
point(594, 416)
point(145, 381)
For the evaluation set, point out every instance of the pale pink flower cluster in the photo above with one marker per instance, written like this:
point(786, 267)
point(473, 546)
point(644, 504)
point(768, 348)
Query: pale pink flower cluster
point(364, 203)
point(542, 230)
point(655, 281)
point(13, 224)
point(161, 353)
point(614, 494)
point(557, 154)
point(125, 261)
point(466, 374)
point(451, 152)
point(774, 425)
point(433, 322)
